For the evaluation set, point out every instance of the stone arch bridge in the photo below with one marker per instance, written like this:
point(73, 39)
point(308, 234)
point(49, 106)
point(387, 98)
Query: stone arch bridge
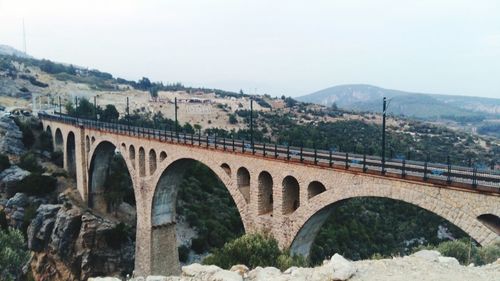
point(284, 191)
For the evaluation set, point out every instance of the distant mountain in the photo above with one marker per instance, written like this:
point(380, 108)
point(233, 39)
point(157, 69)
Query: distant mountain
point(362, 97)
point(9, 51)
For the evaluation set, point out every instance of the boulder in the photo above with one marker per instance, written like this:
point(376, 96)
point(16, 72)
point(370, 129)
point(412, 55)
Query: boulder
point(11, 138)
point(103, 279)
point(342, 268)
point(448, 260)
point(198, 271)
point(241, 269)
point(40, 229)
point(18, 200)
point(267, 273)
point(224, 275)
point(13, 174)
point(429, 255)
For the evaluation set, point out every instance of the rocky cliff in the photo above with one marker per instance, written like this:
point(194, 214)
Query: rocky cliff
point(69, 243)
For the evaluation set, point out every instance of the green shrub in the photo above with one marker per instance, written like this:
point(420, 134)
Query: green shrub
point(183, 253)
point(28, 136)
point(118, 235)
point(57, 157)
point(198, 245)
point(462, 250)
point(45, 140)
point(466, 252)
point(29, 162)
point(36, 184)
point(253, 250)
point(4, 162)
point(13, 254)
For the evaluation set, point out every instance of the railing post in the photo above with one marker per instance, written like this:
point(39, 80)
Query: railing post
point(301, 153)
point(315, 156)
point(364, 162)
point(243, 146)
point(184, 136)
point(330, 160)
point(275, 151)
point(215, 141)
point(492, 165)
point(199, 138)
point(288, 152)
point(224, 143)
point(425, 168)
point(207, 142)
point(264, 149)
point(192, 139)
point(232, 139)
point(474, 177)
point(346, 160)
point(403, 169)
point(448, 177)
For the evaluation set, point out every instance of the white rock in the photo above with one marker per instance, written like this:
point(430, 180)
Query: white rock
point(224, 275)
point(265, 274)
point(342, 268)
point(103, 279)
point(241, 269)
point(199, 271)
point(301, 274)
point(429, 255)
point(290, 270)
point(156, 278)
point(448, 260)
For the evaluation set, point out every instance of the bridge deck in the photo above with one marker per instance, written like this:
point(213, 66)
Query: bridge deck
point(473, 179)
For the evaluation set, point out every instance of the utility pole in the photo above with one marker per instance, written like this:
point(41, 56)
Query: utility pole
point(383, 134)
point(95, 108)
point(251, 122)
point(128, 113)
point(175, 104)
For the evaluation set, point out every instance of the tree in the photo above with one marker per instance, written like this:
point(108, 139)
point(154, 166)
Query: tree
point(144, 84)
point(232, 119)
point(118, 183)
point(110, 113)
point(13, 254)
point(153, 91)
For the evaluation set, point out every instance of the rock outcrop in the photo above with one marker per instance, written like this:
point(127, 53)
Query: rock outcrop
point(10, 137)
point(14, 210)
point(71, 244)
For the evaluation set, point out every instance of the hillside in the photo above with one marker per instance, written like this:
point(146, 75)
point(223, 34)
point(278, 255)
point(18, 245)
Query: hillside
point(361, 97)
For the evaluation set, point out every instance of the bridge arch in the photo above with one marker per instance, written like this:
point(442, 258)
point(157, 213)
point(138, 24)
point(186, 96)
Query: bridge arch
point(290, 194)
point(58, 140)
point(243, 180)
point(311, 217)
point(71, 154)
point(100, 160)
point(265, 193)
point(163, 248)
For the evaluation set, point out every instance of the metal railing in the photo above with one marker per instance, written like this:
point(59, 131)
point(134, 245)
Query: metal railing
point(443, 174)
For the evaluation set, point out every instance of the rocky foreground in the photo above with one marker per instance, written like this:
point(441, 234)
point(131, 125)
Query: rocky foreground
point(422, 266)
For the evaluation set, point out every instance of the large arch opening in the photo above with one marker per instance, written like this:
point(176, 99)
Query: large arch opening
point(290, 195)
point(192, 212)
point(265, 193)
point(361, 227)
point(110, 185)
point(58, 141)
point(111, 195)
point(71, 155)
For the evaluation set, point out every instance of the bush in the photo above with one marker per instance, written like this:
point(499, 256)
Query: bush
point(118, 235)
point(13, 254)
point(29, 162)
point(4, 162)
point(28, 136)
point(466, 251)
point(183, 253)
point(253, 250)
point(46, 142)
point(57, 157)
point(36, 184)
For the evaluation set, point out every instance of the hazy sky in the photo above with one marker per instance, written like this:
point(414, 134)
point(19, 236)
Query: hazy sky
point(275, 47)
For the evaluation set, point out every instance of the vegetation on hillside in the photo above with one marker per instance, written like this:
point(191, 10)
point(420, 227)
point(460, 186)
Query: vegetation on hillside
point(13, 254)
point(466, 251)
